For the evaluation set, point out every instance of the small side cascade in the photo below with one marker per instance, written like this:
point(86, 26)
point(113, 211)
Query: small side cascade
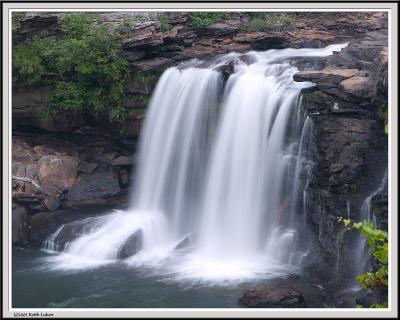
point(363, 257)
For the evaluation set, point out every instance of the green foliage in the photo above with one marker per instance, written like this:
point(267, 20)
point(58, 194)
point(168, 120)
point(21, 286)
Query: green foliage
point(266, 20)
point(126, 25)
point(164, 24)
point(81, 68)
point(288, 20)
point(205, 19)
point(380, 305)
point(136, 112)
point(383, 114)
point(378, 245)
point(29, 60)
point(145, 78)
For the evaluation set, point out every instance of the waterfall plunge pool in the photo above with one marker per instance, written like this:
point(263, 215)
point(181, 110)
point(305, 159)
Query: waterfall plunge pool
point(119, 285)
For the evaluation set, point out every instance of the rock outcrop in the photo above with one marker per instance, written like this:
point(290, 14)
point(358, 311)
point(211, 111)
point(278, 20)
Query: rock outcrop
point(265, 296)
point(66, 171)
point(150, 49)
point(351, 147)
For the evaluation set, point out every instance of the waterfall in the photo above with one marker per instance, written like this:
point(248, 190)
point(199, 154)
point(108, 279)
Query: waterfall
point(224, 161)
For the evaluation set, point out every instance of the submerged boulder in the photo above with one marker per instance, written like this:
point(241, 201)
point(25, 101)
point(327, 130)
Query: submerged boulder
point(266, 296)
point(187, 241)
point(132, 245)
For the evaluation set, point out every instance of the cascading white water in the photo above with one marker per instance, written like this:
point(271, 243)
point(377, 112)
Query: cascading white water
point(220, 161)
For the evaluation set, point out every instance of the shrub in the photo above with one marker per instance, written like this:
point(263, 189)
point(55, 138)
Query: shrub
point(81, 68)
point(266, 20)
point(164, 24)
point(28, 59)
point(378, 245)
point(205, 19)
point(126, 26)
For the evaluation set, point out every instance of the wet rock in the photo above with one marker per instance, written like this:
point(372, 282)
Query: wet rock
point(124, 178)
point(368, 297)
point(69, 232)
point(123, 161)
point(42, 226)
point(51, 203)
point(20, 223)
point(186, 241)
point(98, 185)
point(57, 172)
point(265, 296)
point(132, 245)
point(87, 167)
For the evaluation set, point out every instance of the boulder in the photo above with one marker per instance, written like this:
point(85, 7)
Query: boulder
point(57, 172)
point(361, 87)
point(187, 241)
point(19, 170)
point(20, 223)
point(31, 172)
point(132, 245)
point(42, 226)
point(51, 203)
point(265, 296)
point(95, 185)
point(61, 237)
point(87, 167)
point(123, 161)
point(21, 151)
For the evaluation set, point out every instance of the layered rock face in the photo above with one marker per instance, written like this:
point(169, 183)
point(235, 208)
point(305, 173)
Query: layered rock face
point(351, 145)
point(150, 49)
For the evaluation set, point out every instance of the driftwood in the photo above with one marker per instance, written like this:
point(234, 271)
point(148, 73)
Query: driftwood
point(31, 181)
point(58, 192)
